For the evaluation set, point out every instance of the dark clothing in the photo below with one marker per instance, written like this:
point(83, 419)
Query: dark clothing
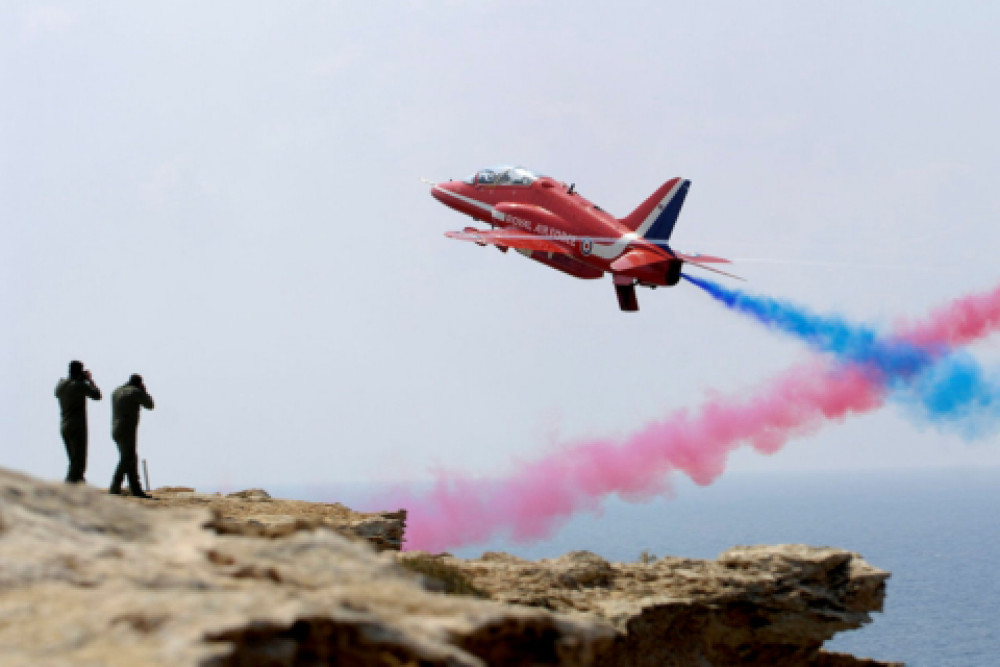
point(126, 402)
point(128, 467)
point(75, 439)
point(73, 395)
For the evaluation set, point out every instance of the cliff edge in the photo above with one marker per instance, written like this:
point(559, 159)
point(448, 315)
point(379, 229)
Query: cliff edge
point(92, 579)
point(255, 513)
point(88, 578)
point(762, 605)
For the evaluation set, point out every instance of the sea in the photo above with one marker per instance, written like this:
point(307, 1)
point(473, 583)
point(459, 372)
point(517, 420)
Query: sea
point(937, 532)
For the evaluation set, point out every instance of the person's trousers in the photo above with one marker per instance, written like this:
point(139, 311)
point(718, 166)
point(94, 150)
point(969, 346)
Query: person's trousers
point(75, 438)
point(128, 464)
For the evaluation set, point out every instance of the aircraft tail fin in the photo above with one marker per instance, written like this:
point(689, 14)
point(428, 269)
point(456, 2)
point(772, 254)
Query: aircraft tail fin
point(655, 218)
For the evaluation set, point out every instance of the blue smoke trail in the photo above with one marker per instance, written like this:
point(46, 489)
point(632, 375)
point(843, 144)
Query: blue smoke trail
point(944, 386)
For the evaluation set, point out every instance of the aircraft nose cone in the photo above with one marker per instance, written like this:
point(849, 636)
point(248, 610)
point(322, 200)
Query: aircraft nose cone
point(440, 192)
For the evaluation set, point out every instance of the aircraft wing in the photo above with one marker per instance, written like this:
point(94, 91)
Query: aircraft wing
point(702, 259)
point(502, 237)
point(646, 255)
point(709, 268)
point(637, 257)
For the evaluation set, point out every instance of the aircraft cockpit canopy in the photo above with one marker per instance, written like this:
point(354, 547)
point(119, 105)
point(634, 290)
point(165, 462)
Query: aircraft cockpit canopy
point(502, 175)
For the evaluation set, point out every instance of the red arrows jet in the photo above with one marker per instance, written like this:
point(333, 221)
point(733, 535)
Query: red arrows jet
point(549, 222)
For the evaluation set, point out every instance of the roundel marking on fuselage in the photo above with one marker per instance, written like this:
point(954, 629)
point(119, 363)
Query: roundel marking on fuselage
point(586, 246)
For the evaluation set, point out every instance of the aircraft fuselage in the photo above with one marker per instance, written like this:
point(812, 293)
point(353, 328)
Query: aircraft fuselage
point(549, 209)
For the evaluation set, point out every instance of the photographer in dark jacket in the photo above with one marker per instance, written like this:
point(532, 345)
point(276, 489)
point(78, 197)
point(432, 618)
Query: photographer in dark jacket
point(126, 402)
point(73, 392)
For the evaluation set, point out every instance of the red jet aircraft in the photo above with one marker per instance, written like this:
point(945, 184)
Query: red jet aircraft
point(549, 222)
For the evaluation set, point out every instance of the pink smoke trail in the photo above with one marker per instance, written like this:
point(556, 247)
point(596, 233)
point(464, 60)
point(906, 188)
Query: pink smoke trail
point(961, 322)
point(536, 497)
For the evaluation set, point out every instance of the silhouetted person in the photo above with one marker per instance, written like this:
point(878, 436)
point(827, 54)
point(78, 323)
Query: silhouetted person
point(73, 392)
point(126, 401)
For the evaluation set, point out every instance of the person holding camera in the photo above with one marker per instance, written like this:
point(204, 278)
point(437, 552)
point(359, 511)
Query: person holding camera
point(73, 392)
point(126, 401)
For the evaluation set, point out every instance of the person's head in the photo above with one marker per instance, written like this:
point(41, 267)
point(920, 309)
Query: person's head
point(135, 380)
point(75, 370)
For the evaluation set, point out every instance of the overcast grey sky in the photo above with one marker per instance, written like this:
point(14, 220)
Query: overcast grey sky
point(224, 197)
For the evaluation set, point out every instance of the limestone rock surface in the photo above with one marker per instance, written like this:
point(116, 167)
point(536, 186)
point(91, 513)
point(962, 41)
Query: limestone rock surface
point(247, 579)
point(92, 579)
point(764, 605)
point(254, 512)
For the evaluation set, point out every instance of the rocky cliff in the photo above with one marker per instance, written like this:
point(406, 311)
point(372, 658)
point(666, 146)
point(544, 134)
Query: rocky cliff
point(764, 605)
point(255, 513)
point(87, 578)
point(91, 579)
